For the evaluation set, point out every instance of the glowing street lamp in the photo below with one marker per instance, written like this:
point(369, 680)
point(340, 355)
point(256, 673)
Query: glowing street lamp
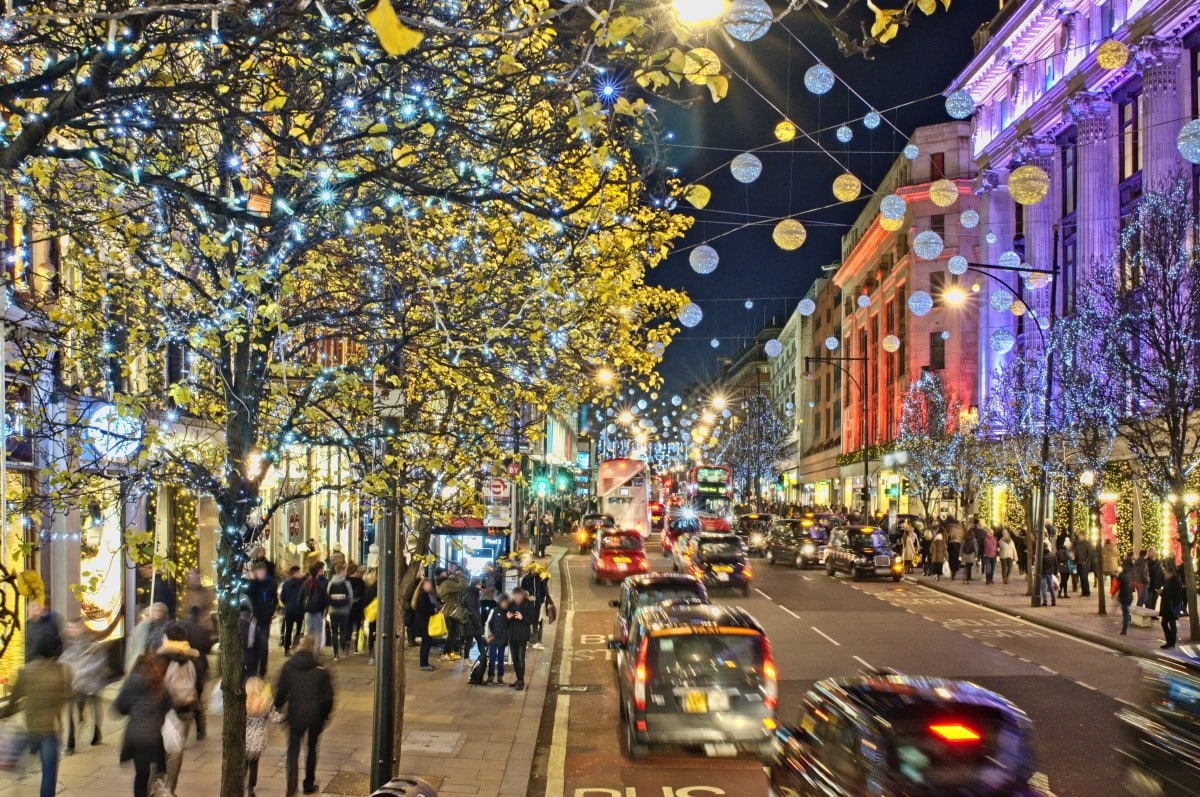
point(954, 296)
point(606, 377)
point(718, 402)
point(699, 12)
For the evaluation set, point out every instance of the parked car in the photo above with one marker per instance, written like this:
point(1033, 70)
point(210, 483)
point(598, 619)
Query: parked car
point(697, 676)
point(752, 528)
point(1162, 751)
point(618, 554)
point(796, 541)
point(879, 735)
point(652, 589)
point(720, 561)
point(585, 530)
point(862, 551)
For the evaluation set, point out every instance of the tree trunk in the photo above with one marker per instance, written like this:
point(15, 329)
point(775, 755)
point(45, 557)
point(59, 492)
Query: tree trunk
point(1189, 572)
point(399, 674)
point(1030, 548)
point(231, 664)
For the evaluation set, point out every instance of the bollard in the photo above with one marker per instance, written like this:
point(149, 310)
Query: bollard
point(406, 787)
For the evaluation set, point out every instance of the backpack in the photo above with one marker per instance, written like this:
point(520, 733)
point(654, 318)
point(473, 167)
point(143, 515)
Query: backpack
point(311, 596)
point(180, 681)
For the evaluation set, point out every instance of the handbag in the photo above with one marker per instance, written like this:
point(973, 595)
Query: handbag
point(551, 612)
point(1114, 587)
point(216, 699)
point(172, 733)
point(371, 611)
point(437, 625)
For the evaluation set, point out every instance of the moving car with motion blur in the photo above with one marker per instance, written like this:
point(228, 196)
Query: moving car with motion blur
point(618, 554)
point(658, 516)
point(585, 530)
point(752, 528)
point(719, 560)
point(1162, 748)
point(681, 523)
point(697, 676)
point(862, 551)
point(799, 542)
point(637, 592)
point(904, 736)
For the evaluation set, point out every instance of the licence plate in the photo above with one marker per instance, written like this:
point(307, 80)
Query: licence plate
point(695, 701)
point(883, 561)
point(722, 569)
point(622, 560)
point(720, 750)
point(722, 576)
point(622, 567)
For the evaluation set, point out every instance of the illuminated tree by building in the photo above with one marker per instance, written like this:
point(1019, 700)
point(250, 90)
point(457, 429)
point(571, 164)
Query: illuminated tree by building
point(928, 420)
point(754, 446)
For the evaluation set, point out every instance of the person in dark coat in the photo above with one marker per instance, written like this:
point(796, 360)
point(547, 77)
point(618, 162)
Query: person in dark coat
point(497, 639)
point(425, 605)
point(43, 631)
point(1085, 560)
point(1156, 577)
point(293, 612)
point(263, 597)
point(358, 588)
point(306, 690)
point(144, 699)
point(536, 584)
point(1049, 570)
point(1126, 588)
point(1173, 598)
point(521, 616)
point(200, 638)
point(473, 626)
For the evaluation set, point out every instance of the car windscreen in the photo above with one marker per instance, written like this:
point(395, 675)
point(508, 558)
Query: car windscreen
point(954, 744)
point(753, 524)
point(706, 658)
point(819, 533)
point(621, 542)
point(875, 539)
point(676, 592)
point(718, 549)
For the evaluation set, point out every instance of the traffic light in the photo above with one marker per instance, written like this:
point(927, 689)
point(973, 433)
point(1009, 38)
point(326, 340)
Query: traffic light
point(563, 484)
point(541, 486)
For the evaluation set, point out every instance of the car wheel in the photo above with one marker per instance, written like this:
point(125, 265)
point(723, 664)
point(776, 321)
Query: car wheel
point(855, 575)
point(829, 569)
point(799, 563)
point(770, 558)
point(896, 578)
point(624, 713)
point(745, 590)
point(634, 750)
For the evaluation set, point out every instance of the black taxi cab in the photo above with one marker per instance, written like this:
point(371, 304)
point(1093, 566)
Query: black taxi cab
point(651, 589)
point(862, 551)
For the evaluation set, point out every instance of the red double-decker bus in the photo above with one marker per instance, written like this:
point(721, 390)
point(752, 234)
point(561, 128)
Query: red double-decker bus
point(709, 492)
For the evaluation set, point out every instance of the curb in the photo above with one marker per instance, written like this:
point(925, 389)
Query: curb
point(1052, 624)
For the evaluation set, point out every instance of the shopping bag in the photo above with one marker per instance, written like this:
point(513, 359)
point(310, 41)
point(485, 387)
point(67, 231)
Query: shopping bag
point(371, 612)
point(437, 625)
point(216, 699)
point(14, 742)
point(551, 612)
point(172, 733)
point(360, 644)
point(1114, 587)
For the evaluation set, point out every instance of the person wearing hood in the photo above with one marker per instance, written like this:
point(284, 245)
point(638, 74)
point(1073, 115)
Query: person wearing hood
point(86, 659)
point(179, 677)
point(341, 601)
point(937, 555)
point(148, 634)
point(263, 598)
point(293, 612)
point(306, 691)
point(42, 623)
point(43, 690)
point(144, 699)
point(451, 584)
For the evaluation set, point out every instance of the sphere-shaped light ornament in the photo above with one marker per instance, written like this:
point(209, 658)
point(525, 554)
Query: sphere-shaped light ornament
point(928, 244)
point(911, 152)
point(844, 134)
point(943, 193)
point(990, 237)
point(748, 20)
point(863, 300)
point(846, 187)
point(704, 259)
point(1018, 308)
point(676, 400)
point(1010, 260)
point(1188, 141)
point(871, 120)
point(1112, 54)
point(920, 303)
point(1002, 341)
point(831, 343)
point(785, 131)
point(642, 405)
point(789, 235)
point(1036, 280)
point(656, 348)
point(818, 79)
point(891, 344)
point(960, 104)
point(957, 265)
point(749, 304)
point(716, 344)
point(893, 206)
point(1000, 300)
point(806, 307)
point(945, 334)
point(773, 348)
point(891, 225)
point(969, 219)
point(746, 168)
point(1028, 184)
point(691, 315)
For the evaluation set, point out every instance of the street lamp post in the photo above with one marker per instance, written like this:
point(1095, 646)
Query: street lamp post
point(862, 392)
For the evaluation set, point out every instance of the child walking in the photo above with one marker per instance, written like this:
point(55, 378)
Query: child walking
point(497, 639)
point(258, 705)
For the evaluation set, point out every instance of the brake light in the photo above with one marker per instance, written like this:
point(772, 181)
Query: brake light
point(582, 536)
point(643, 565)
point(639, 676)
point(956, 733)
point(748, 572)
point(770, 678)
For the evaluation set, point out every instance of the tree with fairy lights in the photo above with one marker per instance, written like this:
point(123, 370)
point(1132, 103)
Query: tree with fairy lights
point(1151, 336)
point(928, 419)
point(754, 446)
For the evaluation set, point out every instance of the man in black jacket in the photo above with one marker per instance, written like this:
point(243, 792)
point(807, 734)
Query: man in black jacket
point(200, 638)
point(264, 601)
point(306, 689)
point(293, 612)
point(521, 618)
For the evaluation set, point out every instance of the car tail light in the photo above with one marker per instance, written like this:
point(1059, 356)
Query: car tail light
point(644, 565)
point(748, 572)
point(955, 732)
point(639, 676)
point(770, 678)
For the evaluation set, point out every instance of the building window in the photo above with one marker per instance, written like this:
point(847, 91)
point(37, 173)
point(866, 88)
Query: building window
point(1051, 75)
point(1195, 81)
point(1107, 18)
point(901, 325)
point(937, 285)
point(937, 351)
point(1069, 149)
point(937, 166)
point(1005, 112)
point(937, 223)
point(1070, 256)
point(1131, 141)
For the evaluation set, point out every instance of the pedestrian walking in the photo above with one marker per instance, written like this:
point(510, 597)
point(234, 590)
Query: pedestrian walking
point(1006, 550)
point(1156, 578)
point(1173, 603)
point(989, 550)
point(536, 585)
point(1065, 566)
point(937, 555)
point(1141, 577)
point(908, 548)
point(258, 707)
point(1126, 589)
point(314, 599)
point(473, 624)
point(425, 605)
point(306, 691)
point(371, 611)
point(144, 699)
point(497, 639)
point(200, 637)
point(42, 623)
point(545, 534)
point(293, 611)
point(1085, 562)
point(89, 667)
point(148, 634)
point(179, 678)
point(493, 585)
point(263, 598)
point(521, 619)
point(1048, 592)
point(341, 600)
point(451, 584)
point(954, 539)
point(968, 552)
point(43, 689)
point(1110, 561)
point(356, 577)
point(926, 544)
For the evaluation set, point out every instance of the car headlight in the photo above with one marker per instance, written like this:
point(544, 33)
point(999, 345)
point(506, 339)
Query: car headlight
point(756, 539)
point(810, 549)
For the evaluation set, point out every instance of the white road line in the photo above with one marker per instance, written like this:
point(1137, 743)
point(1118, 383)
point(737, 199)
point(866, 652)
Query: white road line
point(789, 611)
point(556, 768)
point(806, 578)
point(1047, 669)
point(1086, 685)
point(564, 666)
point(827, 636)
point(765, 595)
point(864, 663)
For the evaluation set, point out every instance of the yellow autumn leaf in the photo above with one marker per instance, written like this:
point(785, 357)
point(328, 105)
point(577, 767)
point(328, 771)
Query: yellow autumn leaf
point(395, 37)
point(718, 86)
point(275, 103)
point(885, 27)
point(428, 129)
point(697, 196)
point(927, 6)
point(700, 64)
point(378, 127)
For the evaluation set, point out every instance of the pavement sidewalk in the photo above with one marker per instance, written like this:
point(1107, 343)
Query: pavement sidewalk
point(1075, 616)
point(465, 740)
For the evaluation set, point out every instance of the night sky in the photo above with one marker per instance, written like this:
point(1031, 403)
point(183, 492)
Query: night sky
point(796, 176)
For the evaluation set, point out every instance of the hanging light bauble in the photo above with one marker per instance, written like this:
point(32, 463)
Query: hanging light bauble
point(704, 259)
point(960, 104)
point(1028, 184)
point(891, 344)
point(716, 344)
point(746, 168)
point(893, 206)
point(1018, 308)
point(891, 225)
point(1112, 54)
point(945, 334)
point(1010, 260)
point(990, 237)
point(846, 187)
point(863, 300)
point(785, 131)
point(1188, 141)
point(1036, 280)
point(957, 265)
point(748, 20)
point(844, 134)
point(818, 79)
point(773, 348)
point(789, 234)
point(969, 219)
point(943, 193)
point(920, 303)
point(928, 244)
point(911, 152)
point(806, 307)
point(871, 120)
point(1000, 300)
point(831, 343)
point(656, 349)
point(1002, 341)
point(691, 315)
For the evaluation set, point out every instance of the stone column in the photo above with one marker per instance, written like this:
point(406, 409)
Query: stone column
point(1098, 213)
point(1162, 116)
point(1040, 218)
point(996, 209)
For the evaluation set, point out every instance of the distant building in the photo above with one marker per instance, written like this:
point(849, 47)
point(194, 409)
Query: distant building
point(820, 401)
point(786, 374)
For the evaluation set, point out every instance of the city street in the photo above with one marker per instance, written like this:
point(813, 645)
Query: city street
point(821, 627)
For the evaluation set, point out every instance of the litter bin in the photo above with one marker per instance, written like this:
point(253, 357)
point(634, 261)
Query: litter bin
point(406, 787)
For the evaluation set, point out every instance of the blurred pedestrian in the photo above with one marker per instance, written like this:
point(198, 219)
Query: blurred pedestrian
point(937, 555)
point(371, 610)
point(200, 637)
point(1126, 589)
point(450, 587)
point(341, 600)
point(263, 597)
point(1006, 550)
point(473, 624)
point(536, 585)
point(988, 551)
point(144, 699)
point(425, 605)
point(521, 619)
point(42, 624)
point(926, 544)
point(1173, 604)
point(258, 707)
point(545, 534)
point(179, 678)
point(1085, 562)
point(1110, 561)
point(355, 576)
point(306, 691)
point(148, 634)
point(1155, 580)
point(43, 690)
point(1141, 577)
point(293, 611)
point(968, 552)
point(954, 541)
point(1049, 594)
point(908, 545)
point(89, 666)
point(1066, 564)
point(497, 639)
point(314, 599)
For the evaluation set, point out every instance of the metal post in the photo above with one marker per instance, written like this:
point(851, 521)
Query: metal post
point(4, 422)
point(382, 764)
point(1044, 482)
point(866, 435)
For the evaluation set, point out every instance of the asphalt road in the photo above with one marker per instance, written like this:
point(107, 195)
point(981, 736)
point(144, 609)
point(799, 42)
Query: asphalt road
point(823, 627)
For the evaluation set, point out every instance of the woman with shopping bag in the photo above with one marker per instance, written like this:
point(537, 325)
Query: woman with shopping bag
point(430, 622)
